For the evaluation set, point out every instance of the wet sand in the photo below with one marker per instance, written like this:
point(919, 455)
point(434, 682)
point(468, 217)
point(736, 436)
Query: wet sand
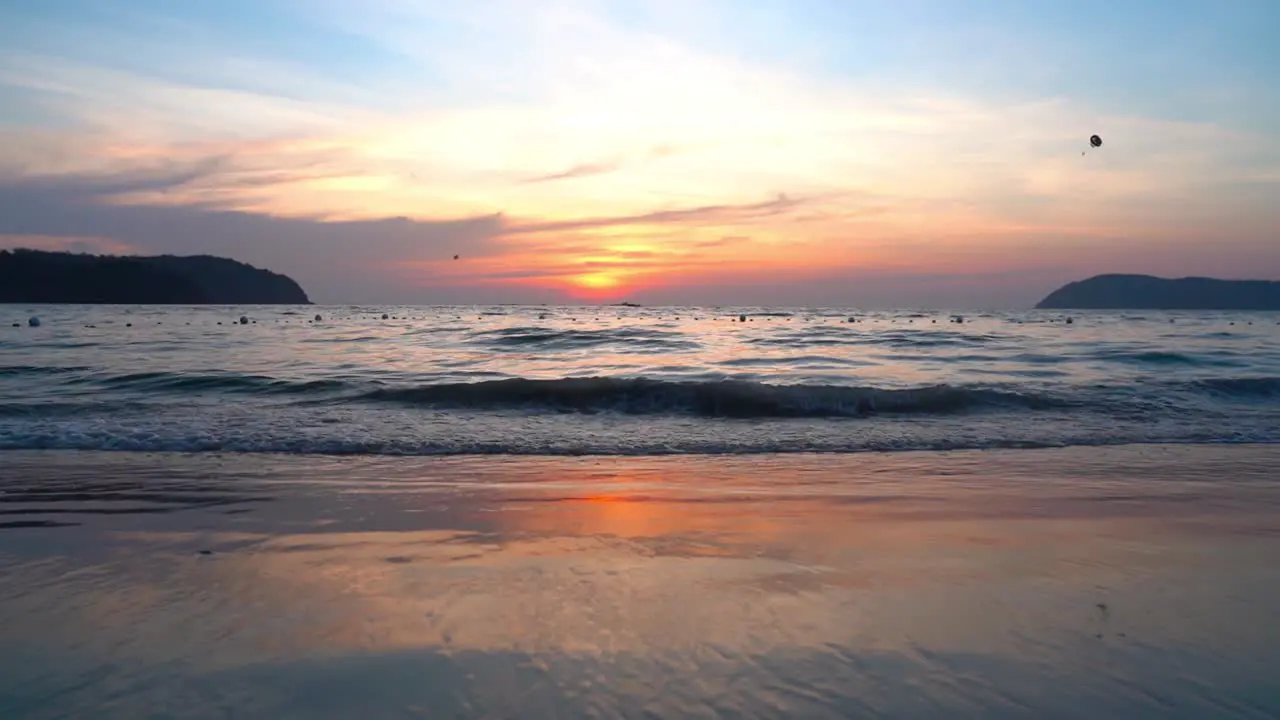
point(1120, 582)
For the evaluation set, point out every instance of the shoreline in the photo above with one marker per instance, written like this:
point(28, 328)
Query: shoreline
point(1247, 445)
point(1158, 480)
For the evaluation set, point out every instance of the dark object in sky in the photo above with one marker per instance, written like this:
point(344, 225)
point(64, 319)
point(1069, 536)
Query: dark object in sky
point(1095, 141)
point(1144, 292)
point(455, 257)
point(37, 276)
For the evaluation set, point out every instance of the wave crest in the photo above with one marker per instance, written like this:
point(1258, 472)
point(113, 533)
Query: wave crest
point(722, 398)
point(634, 339)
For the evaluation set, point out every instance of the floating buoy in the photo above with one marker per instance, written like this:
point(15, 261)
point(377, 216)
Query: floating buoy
point(244, 320)
point(33, 321)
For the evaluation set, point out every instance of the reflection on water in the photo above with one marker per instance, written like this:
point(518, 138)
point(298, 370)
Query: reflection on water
point(1132, 582)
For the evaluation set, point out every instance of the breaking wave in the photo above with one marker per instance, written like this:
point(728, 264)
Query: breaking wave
point(723, 398)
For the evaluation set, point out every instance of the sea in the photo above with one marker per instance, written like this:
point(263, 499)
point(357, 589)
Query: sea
point(513, 380)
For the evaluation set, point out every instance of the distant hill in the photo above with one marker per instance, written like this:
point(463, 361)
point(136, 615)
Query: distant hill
point(1144, 292)
point(37, 276)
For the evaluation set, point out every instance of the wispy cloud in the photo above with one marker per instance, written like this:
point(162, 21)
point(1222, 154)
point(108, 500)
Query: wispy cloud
point(701, 214)
point(332, 257)
point(577, 171)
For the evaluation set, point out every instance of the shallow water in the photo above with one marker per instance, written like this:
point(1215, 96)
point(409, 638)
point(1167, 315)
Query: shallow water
point(1079, 583)
point(612, 380)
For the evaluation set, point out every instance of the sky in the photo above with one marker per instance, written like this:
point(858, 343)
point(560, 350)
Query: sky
point(913, 153)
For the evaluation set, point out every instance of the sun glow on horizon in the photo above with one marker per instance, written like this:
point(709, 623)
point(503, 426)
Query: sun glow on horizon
point(603, 285)
point(597, 281)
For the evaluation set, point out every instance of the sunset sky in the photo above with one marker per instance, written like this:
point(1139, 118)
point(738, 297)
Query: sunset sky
point(770, 152)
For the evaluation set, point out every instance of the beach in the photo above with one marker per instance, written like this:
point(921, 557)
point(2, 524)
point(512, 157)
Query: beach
point(625, 512)
point(1134, 581)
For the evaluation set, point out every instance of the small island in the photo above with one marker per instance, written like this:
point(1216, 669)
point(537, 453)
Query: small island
point(37, 276)
point(1145, 292)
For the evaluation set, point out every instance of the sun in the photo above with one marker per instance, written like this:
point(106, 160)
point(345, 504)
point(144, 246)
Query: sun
point(596, 286)
point(596, 281)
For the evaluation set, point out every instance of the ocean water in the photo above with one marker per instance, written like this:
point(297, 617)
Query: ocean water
point(621, 380)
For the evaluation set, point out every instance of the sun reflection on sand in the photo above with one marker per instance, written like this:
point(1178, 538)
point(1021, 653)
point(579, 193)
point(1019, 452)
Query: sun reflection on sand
point(641, 561)
point(664, 571)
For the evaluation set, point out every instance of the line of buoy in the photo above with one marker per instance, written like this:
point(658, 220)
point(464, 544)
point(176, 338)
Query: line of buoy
point(35, 321)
